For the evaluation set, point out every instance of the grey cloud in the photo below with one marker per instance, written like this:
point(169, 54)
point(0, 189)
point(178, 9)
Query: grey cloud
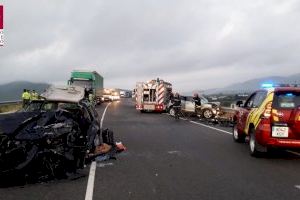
point(133, 40)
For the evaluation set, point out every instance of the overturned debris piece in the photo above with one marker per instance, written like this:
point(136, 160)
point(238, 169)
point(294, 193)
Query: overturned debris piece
point(103, 148)
point(104, 164)
point(108, 137)
point(120, 147)
point(102, 158)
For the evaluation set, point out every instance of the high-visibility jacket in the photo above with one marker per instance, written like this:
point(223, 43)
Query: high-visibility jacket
point(34, 96)
point(91, 97)
point(26, 96)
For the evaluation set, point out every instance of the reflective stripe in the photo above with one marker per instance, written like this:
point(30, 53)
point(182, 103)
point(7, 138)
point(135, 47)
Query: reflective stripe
point(161, 90)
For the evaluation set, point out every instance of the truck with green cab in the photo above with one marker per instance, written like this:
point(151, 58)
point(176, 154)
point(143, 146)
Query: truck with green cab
point(92, 81)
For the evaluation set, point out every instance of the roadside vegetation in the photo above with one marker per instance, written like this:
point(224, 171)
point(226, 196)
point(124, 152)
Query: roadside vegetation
point(10, 107)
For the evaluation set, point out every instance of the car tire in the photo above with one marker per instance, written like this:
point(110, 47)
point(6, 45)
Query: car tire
point(240, 138)
point(142, 111)
point(207, 114)
point(253, 145)
point(172, 111)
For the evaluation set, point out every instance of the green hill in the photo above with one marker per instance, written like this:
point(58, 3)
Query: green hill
point(13, 91)
point(254, 84)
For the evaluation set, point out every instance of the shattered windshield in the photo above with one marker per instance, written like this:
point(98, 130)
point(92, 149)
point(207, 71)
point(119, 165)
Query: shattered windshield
point(83, 83)
point(34, 106)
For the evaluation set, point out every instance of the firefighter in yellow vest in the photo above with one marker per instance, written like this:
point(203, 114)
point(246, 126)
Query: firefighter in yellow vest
point(25, 98)
point(34, 95)
point(91, 97)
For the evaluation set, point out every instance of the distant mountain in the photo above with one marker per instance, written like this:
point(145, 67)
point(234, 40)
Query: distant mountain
point(254, 84)
point(13, 91)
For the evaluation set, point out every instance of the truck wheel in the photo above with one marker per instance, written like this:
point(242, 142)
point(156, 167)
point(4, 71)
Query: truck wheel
point(207, 114)
point(240, 138)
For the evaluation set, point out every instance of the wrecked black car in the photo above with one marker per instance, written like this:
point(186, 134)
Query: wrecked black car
point(51, 137)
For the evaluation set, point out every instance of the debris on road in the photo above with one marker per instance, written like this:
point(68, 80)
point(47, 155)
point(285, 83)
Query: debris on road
point(101, 165)
point(45, 146)
point(50, 138)
point(108, 149)
point(120, 147)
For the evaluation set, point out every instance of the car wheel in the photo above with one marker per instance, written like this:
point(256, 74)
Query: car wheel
point(240, 138)
point(253, 146)
point(172, 111)
point(207, 114)
point(142, 111)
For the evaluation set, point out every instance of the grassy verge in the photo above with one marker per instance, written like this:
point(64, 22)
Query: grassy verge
point(10, 107)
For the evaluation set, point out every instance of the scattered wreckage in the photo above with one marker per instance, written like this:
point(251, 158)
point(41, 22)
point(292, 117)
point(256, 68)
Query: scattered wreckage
point(207, 110)
point(52, 137)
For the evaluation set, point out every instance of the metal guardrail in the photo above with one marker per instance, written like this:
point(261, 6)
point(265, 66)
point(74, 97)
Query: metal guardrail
point(10, 102)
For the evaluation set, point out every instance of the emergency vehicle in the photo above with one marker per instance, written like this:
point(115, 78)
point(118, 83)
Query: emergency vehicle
point(270, 118)
point(153, 95)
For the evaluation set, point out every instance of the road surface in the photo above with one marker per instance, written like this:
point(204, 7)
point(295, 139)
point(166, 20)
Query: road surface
point(168, 159)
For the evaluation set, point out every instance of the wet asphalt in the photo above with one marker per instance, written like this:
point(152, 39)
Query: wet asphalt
point(169, 159)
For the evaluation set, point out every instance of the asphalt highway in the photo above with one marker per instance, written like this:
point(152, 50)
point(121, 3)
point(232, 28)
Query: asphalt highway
point(169, 159)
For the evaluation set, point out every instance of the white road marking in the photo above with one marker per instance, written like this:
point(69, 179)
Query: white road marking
point(173, 152)
point(91, 181)
point(104, 164)
point(227, 132)
point(102, 118)
point(217, 129)
point(289, 151)
point(293, 152)
point(297, 186)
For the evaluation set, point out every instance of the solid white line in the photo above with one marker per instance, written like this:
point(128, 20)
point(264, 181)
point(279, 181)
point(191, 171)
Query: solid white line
point(293, 152)
point(211, 127)
point(91, 180)
point(289, 151)
point(297, 186)
point(102, 118)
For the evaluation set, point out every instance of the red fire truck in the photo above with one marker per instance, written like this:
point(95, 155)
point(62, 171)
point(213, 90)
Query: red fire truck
point(153, 96)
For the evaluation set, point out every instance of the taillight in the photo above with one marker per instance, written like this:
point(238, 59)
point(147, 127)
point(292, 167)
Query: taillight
point(297, 118)
point(275, 115)
point(268, 110)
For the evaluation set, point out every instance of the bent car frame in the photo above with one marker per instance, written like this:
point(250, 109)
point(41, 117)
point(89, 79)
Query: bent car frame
point(50, 138)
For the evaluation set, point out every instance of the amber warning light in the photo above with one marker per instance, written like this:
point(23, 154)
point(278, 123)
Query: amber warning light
point(1, 25)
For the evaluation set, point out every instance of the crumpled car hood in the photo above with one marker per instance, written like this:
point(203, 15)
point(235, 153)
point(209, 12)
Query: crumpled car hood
point(10, 122)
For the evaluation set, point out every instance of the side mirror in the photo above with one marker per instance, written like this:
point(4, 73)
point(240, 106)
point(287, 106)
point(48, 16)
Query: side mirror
point(239, 103)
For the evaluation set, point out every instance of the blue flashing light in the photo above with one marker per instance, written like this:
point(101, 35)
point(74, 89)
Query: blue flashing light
point(289, 94)
point(267, 85)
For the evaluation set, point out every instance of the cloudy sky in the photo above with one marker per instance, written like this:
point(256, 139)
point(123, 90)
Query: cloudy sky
point(192, 43)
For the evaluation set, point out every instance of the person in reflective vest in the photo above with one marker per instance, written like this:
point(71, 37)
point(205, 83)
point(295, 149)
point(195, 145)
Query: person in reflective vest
point(34, 95)
point(25, 98)
point(91, 97)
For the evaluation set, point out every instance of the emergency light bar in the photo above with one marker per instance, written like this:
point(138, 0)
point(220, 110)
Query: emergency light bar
point(271, 85)
point(267, 85)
